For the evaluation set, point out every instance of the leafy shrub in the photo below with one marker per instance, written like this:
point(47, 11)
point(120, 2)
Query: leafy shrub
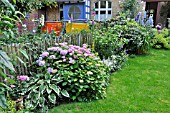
point(67, 71)
point(107, 42)
point(138, 37)
point(161, 40)
point(110, 47)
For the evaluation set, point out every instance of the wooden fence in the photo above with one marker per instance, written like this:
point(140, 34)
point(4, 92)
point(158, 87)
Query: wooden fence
point(17, 51)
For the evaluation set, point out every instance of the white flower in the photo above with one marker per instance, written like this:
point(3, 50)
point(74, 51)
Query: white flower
point(89, 73)
point(81, 81)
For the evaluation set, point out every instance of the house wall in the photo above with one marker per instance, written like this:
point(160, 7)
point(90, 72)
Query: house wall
point(28, 21)
point(117, 6)
point(52, 13)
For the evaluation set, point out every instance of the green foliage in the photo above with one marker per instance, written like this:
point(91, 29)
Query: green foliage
point(26, 6)
point(108, 45)
point(138, 37)
point(130, 7)
point(8, 16)
point(44, 91)
point(161, 40)
point(4, 62)
point(83, 75)
point(10, 107)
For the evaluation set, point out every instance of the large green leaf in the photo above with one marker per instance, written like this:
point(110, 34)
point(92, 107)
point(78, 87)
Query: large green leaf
point(48, 90)
point(5, 60)
point(2, 74)
point(55, 88)
point(41, 101)
point(52, 98)
point(6, 2)
point(3, 103)
point(65, 93)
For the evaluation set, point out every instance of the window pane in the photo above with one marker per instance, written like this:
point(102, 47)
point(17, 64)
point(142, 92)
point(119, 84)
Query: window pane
point(109, 12)
point(76, 16)
point(96, 5)
point(77, 9)
point(102, 4)
point(96, 12)
point(61, 15)
point(109, 4)
point(102, 12)
point(74, 12)
point(71, 9)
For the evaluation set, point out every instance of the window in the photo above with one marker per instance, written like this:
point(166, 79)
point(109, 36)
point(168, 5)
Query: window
point(103, 10)
point(74, 12)
point(61, 11)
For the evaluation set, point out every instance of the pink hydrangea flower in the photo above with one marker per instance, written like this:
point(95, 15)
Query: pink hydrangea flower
point(71, 61)
point(5, 80)
point(159, 31)
point(61, 44)
point(75, 57)
point(52, 57)
point(12, 86)
point(63, 52)
point(63, 57)
point(44, 54)
point(49, 69)
point(53, 49)
point(23, 78)
point(84, 45)
point(41, 63)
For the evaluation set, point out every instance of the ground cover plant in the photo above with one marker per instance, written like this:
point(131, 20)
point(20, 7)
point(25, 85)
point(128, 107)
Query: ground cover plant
point(141, 86)
point(161, 39)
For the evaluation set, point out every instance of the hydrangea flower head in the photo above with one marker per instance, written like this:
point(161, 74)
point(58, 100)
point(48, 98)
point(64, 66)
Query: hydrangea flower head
point(44, 54)
point(23, 78)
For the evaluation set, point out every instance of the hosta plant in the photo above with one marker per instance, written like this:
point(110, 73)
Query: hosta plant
point(44, 92)
point(78, 71)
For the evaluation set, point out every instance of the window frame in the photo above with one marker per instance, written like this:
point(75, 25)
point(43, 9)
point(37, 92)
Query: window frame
point(99, 9)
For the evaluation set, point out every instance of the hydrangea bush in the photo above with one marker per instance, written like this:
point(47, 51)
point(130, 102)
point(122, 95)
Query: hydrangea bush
point(79, 72)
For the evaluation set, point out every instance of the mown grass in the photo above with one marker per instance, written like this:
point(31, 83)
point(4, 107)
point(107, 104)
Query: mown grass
point(142, 86)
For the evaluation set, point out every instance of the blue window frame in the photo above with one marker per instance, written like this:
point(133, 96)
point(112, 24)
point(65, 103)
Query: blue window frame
point(74, 10)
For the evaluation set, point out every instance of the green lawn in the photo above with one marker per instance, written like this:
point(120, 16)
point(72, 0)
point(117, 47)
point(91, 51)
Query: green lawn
point(142, 86)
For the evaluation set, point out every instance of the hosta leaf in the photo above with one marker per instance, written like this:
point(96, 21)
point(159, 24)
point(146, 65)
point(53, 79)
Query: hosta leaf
point(3, 103)
point(65, 93)
point(55, 88)
point(64, 83)
point(5, 60)
point(42, 88)
point(41, 101)
point(48, 90)
point(6, 2)
point(52, 98)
